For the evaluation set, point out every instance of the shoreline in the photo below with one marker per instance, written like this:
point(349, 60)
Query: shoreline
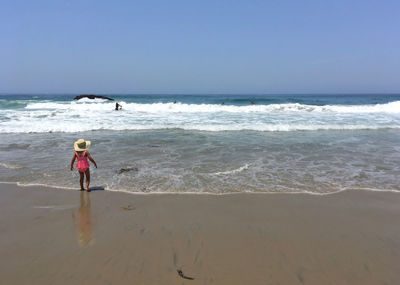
point(19, 184)
point(71, 237)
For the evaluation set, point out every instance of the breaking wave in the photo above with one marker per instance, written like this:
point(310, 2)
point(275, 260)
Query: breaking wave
point(99, 114)
point(104, 105)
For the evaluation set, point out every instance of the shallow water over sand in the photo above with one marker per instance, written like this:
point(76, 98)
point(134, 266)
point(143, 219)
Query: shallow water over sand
point(216, 162)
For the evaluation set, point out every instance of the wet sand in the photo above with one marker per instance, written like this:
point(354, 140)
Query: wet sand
point(53, 236)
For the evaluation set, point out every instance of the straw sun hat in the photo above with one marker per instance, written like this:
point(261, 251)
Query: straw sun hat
point(81, 145)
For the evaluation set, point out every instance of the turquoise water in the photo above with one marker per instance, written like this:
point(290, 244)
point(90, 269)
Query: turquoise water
point(282, 143)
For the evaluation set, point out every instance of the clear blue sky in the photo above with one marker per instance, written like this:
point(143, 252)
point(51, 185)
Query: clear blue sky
point(203, 46)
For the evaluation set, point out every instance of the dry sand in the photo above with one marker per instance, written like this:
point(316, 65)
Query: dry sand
point(52, 236)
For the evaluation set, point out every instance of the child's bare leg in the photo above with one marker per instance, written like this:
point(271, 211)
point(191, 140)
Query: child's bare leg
point(87, 179)
point(81, 180)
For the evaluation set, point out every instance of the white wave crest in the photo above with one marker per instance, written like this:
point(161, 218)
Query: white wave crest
point(10, 165)
point(240, 169)
point(77, 127)
point(154, 108)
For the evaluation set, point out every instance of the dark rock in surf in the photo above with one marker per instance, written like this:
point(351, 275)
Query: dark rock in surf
point(90, 96)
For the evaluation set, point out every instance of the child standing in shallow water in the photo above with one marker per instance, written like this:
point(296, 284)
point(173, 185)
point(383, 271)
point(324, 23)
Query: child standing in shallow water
point(82, 155)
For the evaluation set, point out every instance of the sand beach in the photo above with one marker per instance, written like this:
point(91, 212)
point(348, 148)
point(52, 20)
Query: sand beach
point(54, 236)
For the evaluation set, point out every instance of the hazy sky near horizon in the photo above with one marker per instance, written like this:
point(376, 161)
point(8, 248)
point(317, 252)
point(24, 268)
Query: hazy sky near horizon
point(81, 46)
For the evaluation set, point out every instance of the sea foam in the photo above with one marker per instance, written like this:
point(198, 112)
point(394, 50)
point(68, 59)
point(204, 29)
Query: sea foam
point(98, 114)
point(104, 105)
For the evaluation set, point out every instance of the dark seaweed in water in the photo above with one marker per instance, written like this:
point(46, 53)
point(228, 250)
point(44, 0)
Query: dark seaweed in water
point(184, 276)
point(122, 170)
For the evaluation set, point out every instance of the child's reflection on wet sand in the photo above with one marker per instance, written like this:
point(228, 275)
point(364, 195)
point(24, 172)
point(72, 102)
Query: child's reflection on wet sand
point(83, 221)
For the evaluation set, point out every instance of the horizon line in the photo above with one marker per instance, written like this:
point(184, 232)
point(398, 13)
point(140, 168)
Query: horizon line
point(198, 94)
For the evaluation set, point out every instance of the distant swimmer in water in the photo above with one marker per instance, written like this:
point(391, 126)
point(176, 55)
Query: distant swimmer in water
point(117, 107)
point(252, 103)
point(223, 103)
point(175, 102)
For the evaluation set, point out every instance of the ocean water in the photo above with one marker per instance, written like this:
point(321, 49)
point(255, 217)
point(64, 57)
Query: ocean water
point(206, 143)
